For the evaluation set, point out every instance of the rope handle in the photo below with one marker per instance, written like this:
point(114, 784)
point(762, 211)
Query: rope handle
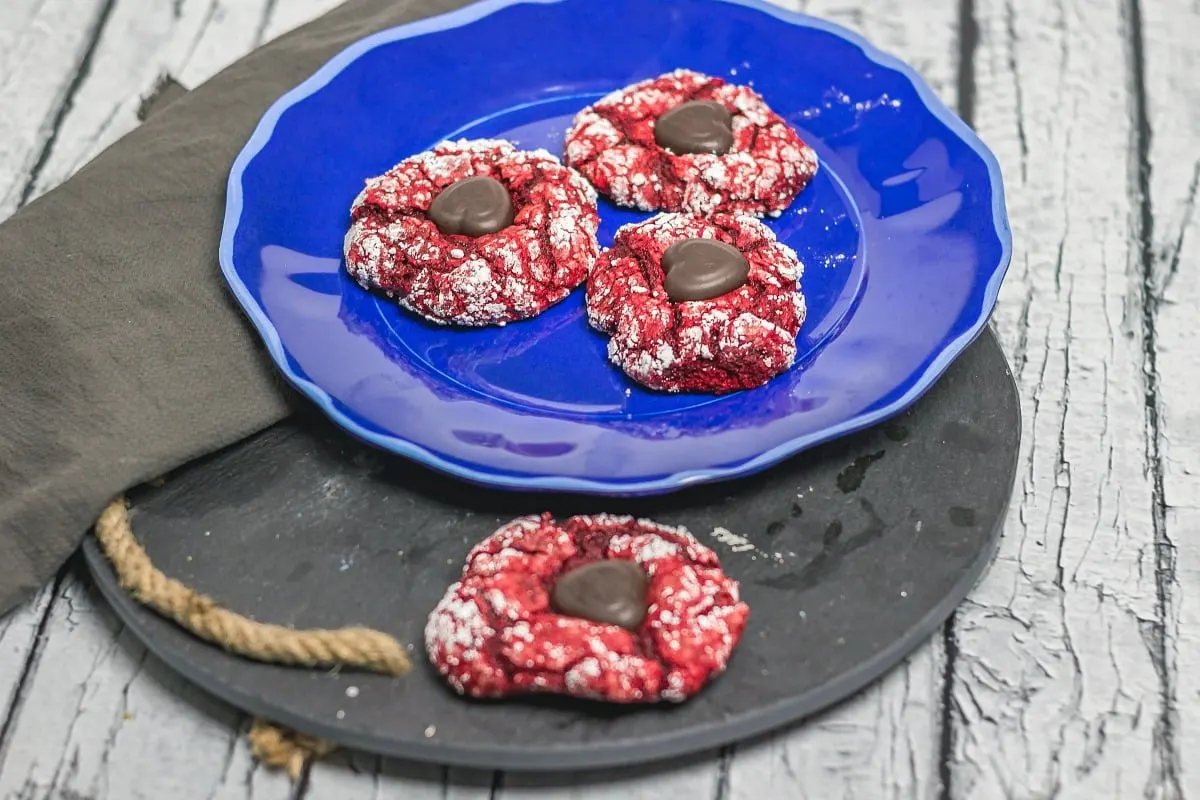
point(199, 614)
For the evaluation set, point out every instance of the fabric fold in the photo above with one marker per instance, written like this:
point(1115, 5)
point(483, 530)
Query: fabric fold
point(122, 353)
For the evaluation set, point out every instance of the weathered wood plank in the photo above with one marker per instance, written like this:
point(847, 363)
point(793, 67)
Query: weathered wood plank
point(142, 41)
point(884, 742)
point(21, 632)
point(698, 777)
point(103, 719)
point(354, 776)
point(1171, 55)
point(190, 39)
point(45, 46)
point(1057, 688)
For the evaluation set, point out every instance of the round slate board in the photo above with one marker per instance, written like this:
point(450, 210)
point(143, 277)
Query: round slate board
point(849, 555)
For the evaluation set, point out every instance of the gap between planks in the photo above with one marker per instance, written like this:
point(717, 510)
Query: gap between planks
point(45, 59)
point(1170, 259)
point(1065, 685)
point(1166, 755)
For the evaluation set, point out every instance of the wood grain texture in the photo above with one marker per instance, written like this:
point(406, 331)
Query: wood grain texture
point(101, 719)
point(45, 54)
point(353, 776)
point(190, 40)
point(1058, 676)
point(349, 776)
point(21, 632)
point(698, 777)
point(1170, 55)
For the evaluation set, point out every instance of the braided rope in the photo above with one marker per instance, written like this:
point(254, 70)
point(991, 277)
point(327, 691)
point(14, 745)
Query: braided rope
point(201, 615)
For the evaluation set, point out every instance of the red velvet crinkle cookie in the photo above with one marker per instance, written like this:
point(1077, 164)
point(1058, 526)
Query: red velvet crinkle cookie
point(698, 304)
point(689, 142)
point(474, 233)
point(602, 607)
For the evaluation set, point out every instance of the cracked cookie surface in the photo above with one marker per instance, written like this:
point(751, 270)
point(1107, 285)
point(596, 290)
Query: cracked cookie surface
point(497, 632)
point(738, 340)
point(613, 144)
point(394, 246)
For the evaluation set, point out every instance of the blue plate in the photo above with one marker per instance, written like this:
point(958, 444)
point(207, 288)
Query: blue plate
point(903, 235)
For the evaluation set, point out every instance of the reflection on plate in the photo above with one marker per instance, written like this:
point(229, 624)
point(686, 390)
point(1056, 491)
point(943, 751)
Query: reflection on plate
point(903, 236)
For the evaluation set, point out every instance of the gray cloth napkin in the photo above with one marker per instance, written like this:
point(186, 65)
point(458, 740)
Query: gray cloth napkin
point(122, 353)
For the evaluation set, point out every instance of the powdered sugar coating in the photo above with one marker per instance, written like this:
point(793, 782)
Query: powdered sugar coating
point(513, 274)
point(494, 633)
point(739, 340)
point(612, 144)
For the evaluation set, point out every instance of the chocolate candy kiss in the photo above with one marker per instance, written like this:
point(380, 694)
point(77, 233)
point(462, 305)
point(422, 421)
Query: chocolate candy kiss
point(611, 592)
point(472, 207)
point(701, 269)
point(700, 126)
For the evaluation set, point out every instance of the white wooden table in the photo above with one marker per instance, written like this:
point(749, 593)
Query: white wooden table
point(1070, 673)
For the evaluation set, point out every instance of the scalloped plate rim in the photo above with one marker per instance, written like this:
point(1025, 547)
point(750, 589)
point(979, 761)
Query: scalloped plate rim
point(924, 378)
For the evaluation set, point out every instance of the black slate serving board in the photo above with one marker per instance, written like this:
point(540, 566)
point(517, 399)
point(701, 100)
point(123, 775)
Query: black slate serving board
point(850, 556)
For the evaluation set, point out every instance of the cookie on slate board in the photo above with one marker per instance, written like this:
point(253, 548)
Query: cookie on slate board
point(600, 607)
point(696, 304)
point(474, 233)
point(685, 141)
